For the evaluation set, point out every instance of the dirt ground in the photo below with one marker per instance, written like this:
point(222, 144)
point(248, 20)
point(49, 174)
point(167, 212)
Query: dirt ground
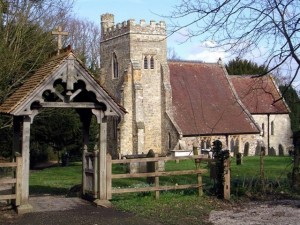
point(280, 212)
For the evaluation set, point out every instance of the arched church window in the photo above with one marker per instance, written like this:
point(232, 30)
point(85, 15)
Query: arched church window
point(237, 143)
point(202, 144)
point(232, 145)
point(263, 129)
point(115, 66)
point(152, 62)
point(208, 144)
point(145, 62)
point(272, 128)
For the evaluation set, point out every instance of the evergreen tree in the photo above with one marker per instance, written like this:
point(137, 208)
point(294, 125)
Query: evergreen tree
point(292, 99)
point(239, 66)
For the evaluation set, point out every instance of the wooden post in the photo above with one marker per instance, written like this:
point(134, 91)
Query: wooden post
point(102, 181)
point(95, 170)
point(227, 179)
point(18, 189)
point(84, 166)
point(200, 188)
point(102, 159)
point(195, 152)
point(108, 176)
point(262, 169)
point(156, 178)
point(24, 206)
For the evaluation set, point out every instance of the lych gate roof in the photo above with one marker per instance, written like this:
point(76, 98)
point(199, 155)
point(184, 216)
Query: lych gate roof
point(204, 103)
point(259, 94)
point(69, 71)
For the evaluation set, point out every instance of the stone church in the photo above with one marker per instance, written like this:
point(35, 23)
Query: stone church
point(175, 105)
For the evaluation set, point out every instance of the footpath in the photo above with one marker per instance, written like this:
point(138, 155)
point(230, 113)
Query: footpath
point(59, 210)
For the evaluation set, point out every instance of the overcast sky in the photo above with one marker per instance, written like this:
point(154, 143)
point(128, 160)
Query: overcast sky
point(148, 10)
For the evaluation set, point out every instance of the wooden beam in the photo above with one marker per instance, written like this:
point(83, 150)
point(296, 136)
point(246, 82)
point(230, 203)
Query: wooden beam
point(161, 188)
point(7, 197)
point(160, 174)
point(8, 164)
point(8, 181)
point(77, 105)
point(200, 157)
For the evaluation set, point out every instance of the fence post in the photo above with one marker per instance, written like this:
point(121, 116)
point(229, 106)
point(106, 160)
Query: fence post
point(156, 178)
point(200, 188)
point(227, 179)
point(108, 176)
point(18, 188)
point(95, 171)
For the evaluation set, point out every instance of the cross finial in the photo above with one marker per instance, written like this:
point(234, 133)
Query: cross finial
point(59, 34)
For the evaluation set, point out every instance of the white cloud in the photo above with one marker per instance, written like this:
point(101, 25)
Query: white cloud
point(207, 52)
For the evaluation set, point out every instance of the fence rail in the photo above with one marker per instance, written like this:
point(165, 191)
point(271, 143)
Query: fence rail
point(14, 181)
point(156, 174)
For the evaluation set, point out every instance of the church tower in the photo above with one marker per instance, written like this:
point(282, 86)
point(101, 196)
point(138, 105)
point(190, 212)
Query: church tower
point(134, 69)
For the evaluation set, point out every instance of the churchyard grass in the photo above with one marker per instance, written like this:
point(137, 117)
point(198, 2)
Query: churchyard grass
point(55, 180)
point(173, 207)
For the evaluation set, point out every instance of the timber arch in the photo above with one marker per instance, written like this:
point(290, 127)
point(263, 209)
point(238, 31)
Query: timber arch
point(63, 82)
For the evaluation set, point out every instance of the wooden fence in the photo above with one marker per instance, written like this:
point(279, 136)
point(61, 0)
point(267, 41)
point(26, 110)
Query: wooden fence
point(14, 182)
point(156, 174)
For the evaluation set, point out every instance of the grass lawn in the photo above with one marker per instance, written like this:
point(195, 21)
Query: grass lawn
point(173, 207)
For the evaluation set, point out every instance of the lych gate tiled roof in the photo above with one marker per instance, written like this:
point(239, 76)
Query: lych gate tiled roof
point(33, 83)
point(259, 94)
point(204, 103)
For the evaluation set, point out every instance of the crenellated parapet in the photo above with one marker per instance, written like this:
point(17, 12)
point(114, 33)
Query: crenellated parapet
point(109, 30)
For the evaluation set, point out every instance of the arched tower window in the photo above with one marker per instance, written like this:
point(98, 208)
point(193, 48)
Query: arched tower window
point(145, 62)
point(115, 66)
point(272, 128)
point(152, 62)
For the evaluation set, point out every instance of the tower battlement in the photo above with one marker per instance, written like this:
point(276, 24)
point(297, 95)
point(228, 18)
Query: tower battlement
point(110, 30)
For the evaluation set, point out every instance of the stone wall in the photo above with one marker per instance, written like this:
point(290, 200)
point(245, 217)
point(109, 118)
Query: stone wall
point(282, 133)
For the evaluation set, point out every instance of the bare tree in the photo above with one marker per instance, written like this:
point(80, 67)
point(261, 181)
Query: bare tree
point(84, 36)
point(245, 26)
point(172, 54)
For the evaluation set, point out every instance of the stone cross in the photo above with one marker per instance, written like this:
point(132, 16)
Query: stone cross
point(59, 34)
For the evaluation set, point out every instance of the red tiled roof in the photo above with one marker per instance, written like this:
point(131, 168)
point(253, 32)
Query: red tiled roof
point(204, 103)
point(258, 94)
point(32, 83)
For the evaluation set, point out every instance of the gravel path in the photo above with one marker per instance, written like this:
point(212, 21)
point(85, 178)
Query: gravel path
point(281, 212)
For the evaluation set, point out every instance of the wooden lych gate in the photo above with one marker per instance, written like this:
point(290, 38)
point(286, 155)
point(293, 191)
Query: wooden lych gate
point(81, 91)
